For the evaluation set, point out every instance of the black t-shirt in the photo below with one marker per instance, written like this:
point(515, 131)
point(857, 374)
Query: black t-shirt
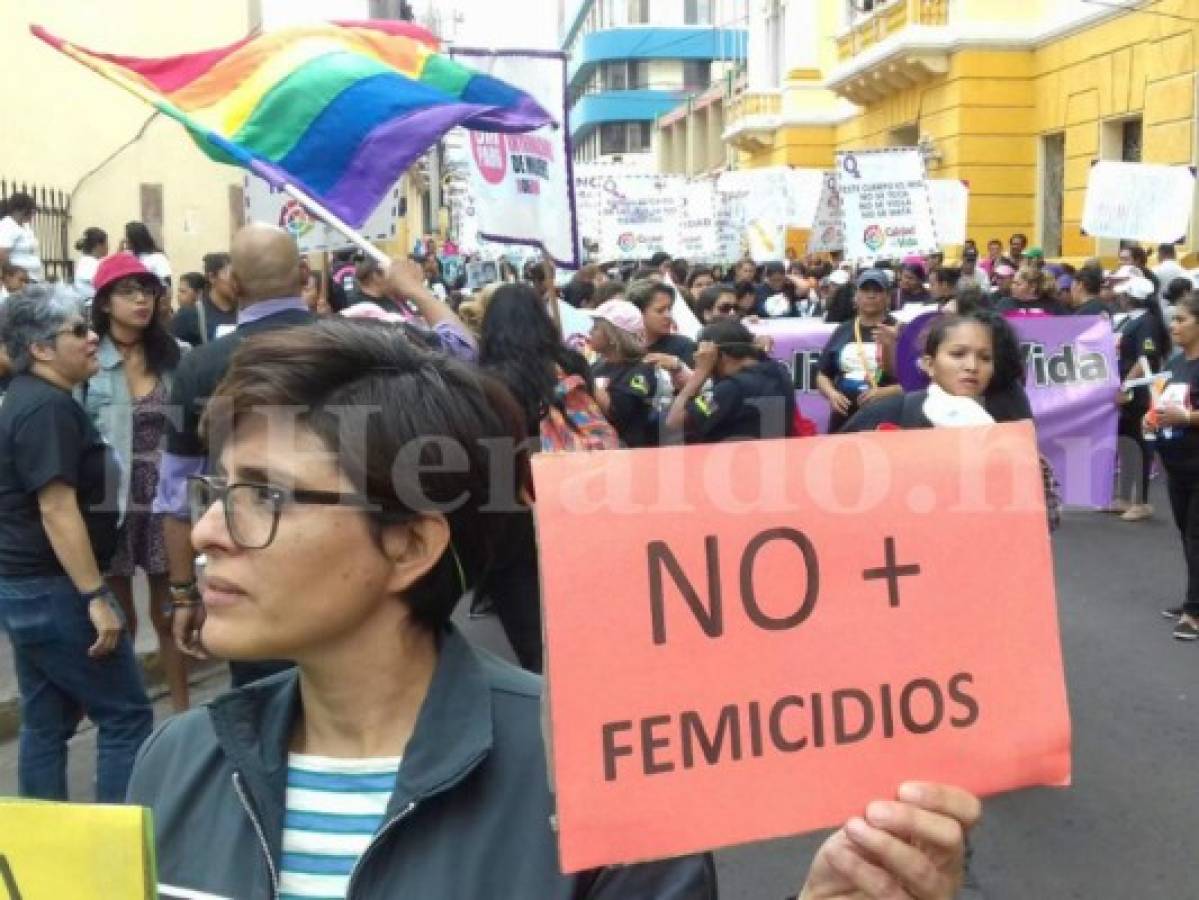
point(1180, 451)
point(757, 402)
point(676, 345)
point(201, 371)
point(631, 390)
point(845, 364)
point(1092, 307)
point(1142, 336)
point(45, 436)
point(186, 324)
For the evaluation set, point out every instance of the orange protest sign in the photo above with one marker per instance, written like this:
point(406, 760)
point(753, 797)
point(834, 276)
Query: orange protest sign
point(751, 640)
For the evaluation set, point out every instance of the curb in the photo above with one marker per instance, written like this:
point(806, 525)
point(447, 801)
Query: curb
point(199, 670)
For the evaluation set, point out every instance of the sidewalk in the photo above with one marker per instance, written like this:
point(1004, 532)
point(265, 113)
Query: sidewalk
point(147, 651)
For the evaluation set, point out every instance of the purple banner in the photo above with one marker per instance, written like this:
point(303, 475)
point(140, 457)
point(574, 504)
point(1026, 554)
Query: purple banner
point(1072, 383)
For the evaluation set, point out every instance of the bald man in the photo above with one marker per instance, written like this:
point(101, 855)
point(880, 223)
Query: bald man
point(266, 280)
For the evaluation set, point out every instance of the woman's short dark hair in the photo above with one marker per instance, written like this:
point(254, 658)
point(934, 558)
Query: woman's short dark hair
point(422, 406)
point(579, 293)
point(709, 297)
point(194, 280)
point(139, 239)
point(1178, 287)
point(160, 347)
point(733, 339)
point(91, 239)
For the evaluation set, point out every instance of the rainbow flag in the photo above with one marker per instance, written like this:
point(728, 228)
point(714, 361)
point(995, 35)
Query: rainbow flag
point(339, 110)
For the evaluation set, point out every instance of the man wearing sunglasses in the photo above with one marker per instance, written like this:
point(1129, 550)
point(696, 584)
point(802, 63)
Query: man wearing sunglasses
point(58, 531)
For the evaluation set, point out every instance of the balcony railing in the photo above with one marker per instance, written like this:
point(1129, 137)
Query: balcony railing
point(888, 20)
point(748, 104)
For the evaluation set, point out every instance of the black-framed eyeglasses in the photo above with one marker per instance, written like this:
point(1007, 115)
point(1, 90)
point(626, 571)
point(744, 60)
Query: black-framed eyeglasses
point(79, 330)
point(129, 288)
point(252, 509)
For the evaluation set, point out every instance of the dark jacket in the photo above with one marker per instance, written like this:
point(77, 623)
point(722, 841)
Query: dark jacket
point(470, 815)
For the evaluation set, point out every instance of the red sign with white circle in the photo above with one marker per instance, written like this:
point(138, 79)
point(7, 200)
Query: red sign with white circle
point(491, 155)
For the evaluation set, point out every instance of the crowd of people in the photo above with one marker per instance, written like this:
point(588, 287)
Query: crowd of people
point(138, 431)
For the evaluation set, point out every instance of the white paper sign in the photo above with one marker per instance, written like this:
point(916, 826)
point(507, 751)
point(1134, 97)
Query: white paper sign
point(519, 189)
point(697, 227)
point(885, 204)
point(265, 204)
point(640, 215)
point(827, 235)
point(950, 199)
point(1139, 202)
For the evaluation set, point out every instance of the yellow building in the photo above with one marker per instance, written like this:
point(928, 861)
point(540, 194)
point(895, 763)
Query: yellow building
point(69, 130)
point(1018, 98)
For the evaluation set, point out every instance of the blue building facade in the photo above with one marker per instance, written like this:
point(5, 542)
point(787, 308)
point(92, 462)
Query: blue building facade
point(632, 61)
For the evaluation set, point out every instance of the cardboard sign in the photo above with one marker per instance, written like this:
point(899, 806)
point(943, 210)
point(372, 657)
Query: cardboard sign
point(767, 635)
point(885, 204)
point(50, 851)
point(1140, 202)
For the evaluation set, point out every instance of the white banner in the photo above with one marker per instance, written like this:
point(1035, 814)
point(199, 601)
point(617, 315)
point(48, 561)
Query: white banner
point(950, 198)
point(273, 207)
point(885, 204)
point(828, 235)
point(1139, 202)
point(641, 215)
point(697, 228)
point(519, 189)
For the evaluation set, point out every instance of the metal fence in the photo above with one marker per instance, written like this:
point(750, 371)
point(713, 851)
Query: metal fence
point(51, 223)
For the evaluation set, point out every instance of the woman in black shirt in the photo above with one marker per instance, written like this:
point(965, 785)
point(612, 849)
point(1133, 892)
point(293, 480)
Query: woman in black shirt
point(58, 531)
point(854, 369)
point(1143, 333)
point(626, 385)
point(1175, 427)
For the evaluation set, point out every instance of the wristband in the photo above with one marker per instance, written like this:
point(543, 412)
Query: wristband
point(103, 591)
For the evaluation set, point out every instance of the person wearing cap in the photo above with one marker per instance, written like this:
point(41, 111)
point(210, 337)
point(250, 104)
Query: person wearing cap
point(854, 369)
point(1141, 338)
point(1002, 276)
point(752, 396)
point(972, 273)
point(1084, 294)
point(1034, 258)
point(127, 401)
point(625, 384)
point(58, 532)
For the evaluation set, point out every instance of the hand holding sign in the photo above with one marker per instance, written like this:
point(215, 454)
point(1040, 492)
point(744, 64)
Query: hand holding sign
point(767, 666)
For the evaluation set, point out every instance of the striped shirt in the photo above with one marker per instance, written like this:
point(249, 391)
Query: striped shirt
point(333, 809)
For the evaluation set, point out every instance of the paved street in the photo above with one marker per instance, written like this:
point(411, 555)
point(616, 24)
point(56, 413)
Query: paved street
point(1124, 830)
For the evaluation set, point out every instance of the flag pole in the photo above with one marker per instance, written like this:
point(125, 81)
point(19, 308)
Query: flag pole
point(334, 222)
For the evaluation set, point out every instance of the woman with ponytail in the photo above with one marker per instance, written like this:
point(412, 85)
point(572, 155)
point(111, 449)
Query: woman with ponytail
point(751, 395)
point(92, 247)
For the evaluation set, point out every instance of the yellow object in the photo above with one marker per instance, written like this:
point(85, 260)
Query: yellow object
point(73, 851)
point(1017, 99)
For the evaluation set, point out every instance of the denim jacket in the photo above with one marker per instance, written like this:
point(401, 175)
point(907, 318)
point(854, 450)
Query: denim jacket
point(106, 399)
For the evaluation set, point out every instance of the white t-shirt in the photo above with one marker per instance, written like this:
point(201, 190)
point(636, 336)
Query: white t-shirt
point(22, 246)
point(158, 264)
point(85, 273)
point(1167, 272)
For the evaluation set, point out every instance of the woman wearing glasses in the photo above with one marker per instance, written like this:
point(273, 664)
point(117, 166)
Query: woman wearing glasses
point(395, 760)
point(127, 400)
point(58, 527)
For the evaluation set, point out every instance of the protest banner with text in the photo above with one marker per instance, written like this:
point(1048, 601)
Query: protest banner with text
point(1139, 201)
point(711, 678)
point(885, 205)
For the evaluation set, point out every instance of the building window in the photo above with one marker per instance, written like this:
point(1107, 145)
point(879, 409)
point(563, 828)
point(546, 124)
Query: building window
point(1131, 140)
point(625, 137)
point(626, 75)
point(697, 74)
point(1053, 185)
point(905, 136)
point(638, 12)
point(697, 12)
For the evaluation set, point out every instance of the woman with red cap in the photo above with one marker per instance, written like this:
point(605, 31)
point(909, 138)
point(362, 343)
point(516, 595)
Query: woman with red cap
point(127, 400)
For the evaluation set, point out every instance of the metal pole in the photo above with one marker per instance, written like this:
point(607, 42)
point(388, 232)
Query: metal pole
point(338, 225)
